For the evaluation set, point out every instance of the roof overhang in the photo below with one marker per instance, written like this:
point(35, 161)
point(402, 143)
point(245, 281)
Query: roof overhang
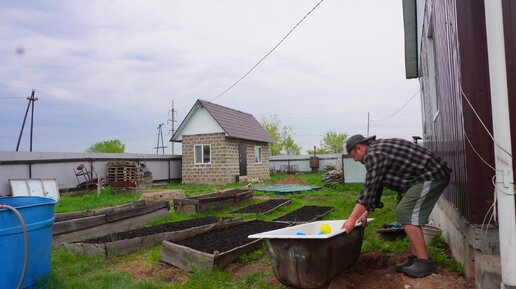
point(410, 27)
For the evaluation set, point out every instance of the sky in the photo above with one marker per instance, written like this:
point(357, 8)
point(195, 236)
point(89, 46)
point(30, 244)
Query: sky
point(104, 70)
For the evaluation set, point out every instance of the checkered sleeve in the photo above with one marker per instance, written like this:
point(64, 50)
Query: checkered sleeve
point(377, 165)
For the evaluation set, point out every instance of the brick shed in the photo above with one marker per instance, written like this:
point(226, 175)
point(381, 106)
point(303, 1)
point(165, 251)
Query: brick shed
point(222, 145)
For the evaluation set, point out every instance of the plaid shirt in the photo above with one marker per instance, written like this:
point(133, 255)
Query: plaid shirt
point(398, 164)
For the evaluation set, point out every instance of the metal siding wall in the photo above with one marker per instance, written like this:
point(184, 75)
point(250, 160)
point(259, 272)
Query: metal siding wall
point(509, 18)
point(461, 61)
point(303, 161)
point(354, 172)
point(61, 166)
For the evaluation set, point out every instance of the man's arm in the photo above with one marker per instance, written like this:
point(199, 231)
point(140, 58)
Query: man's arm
point(359, 213)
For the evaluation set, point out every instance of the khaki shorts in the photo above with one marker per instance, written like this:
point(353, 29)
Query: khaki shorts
point(415, 206)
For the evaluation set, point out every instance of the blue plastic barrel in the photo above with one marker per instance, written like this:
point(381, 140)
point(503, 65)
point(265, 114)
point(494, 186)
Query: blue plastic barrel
point(38, 213)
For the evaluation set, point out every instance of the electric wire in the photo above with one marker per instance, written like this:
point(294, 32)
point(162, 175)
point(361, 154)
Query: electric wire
point(483, 124)
point(472, 147)
point(398, 110)
point(268, 53)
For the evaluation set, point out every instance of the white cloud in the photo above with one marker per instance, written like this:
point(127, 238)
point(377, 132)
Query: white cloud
point(119, 64)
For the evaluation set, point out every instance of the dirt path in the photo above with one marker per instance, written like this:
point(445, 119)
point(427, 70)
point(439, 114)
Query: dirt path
point(372, 270)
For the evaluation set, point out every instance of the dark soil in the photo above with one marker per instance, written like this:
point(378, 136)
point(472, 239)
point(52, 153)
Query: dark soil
point(167, 227)
point(226, 239)
point(263, 207)
point(305, 214)
point(228, 193)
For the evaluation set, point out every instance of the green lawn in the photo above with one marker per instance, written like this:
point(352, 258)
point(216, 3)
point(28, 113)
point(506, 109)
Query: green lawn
point(70, 270)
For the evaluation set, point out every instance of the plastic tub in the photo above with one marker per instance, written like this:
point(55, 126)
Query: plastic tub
point(38, 214)
point(301, 257)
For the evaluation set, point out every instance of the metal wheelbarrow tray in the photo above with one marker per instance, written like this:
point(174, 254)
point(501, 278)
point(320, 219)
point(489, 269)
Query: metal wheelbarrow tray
point(301, 257)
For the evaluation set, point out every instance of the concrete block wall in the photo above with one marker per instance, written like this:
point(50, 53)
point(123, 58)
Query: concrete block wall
point(224, 166)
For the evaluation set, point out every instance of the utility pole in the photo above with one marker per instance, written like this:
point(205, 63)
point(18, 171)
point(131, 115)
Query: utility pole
point(367, 124)
point(31, 99)
point(173, 121)
point(160, 134)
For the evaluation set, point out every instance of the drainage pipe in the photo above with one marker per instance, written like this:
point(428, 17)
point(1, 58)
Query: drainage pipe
point(502, 138)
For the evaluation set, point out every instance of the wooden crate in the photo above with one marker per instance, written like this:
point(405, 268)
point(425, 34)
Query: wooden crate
point(212, 201)
point(126, 246)
point(77, 226)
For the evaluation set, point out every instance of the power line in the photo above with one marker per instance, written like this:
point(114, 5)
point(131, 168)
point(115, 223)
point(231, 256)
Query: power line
point(398, 110)
point(266, 55)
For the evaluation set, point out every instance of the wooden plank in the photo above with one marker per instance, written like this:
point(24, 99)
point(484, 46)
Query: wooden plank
point(113, 227)
point(225, 258)
point(185, 258)
point(73, 215)
point(135, 210)
point(216, 205)
point(126, 246)
point(78, 224)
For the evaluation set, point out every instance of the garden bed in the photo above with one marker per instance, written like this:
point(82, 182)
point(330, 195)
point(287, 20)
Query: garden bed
point(305, 214)
point(216, 248)
point(212, 201)
point(263, 207)
point(130, 241)
point(77, 226)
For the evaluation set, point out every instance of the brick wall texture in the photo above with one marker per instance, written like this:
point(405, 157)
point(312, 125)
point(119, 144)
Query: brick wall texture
point(224, 166)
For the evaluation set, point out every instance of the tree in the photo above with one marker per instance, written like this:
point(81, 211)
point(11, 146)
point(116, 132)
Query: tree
point(272, 126)
point(108, 146)
point(319, 150)
point(334, 142)
point(290, 147)
point(282, 135)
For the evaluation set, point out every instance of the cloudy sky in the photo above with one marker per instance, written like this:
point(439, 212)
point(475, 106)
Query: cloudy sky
point(111, 69)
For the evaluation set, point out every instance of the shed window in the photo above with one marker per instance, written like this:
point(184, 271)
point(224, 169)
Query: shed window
point(257, 154)
point(202, 154)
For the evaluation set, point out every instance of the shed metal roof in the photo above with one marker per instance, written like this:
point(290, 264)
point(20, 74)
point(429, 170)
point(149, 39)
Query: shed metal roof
point(235, 123)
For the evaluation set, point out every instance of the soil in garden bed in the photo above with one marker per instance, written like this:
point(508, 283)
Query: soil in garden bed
point(261, 207)
point(228, 193)
point(230, 238)
point(304, 214)
point(166, 227)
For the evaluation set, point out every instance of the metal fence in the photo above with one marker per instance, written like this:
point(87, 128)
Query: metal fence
point(63, 166)
point(354, 172)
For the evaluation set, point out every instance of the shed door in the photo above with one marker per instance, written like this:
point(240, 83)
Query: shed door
point(242, 156)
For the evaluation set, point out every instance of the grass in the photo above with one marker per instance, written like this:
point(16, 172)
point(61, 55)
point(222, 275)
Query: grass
point(70, 270)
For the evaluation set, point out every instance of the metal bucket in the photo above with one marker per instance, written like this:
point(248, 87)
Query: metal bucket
point(311, 261)
point(38, 214)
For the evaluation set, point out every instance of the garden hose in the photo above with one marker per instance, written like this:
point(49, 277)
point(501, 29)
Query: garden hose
point(26, 238)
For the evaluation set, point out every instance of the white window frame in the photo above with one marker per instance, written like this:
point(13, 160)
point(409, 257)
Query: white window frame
point(432, 73)
point(258, 154)
point(202, 146)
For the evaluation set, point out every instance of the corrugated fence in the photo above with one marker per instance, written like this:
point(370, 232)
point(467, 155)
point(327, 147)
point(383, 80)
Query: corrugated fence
point(354, 172)
point(63, 166)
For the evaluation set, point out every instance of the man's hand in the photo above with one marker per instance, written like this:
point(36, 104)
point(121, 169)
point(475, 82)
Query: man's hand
point(359, 213)
point(349, 225)
point(363, 218)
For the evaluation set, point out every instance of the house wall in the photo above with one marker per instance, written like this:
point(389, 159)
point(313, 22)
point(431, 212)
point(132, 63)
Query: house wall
point(224, 166)
point(456, 29)
point(509, 21)
point(456, 133)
